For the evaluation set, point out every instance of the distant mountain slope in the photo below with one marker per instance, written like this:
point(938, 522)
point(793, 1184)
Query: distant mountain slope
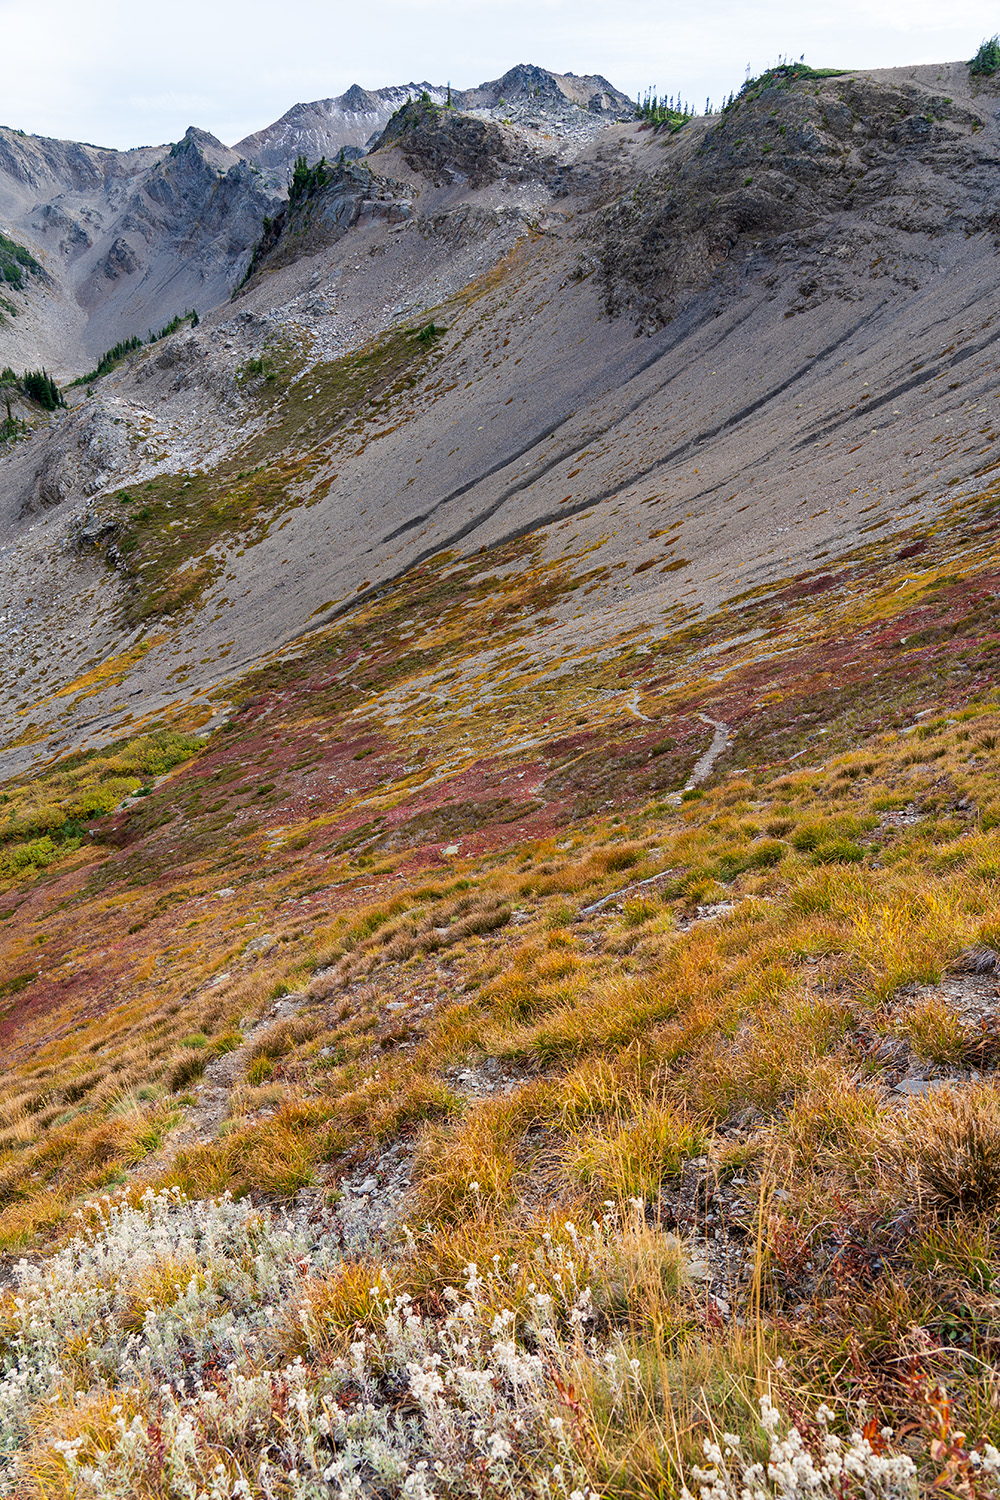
point(128, 239)
point(352, 119)
point(326, 125)
point(527, 84)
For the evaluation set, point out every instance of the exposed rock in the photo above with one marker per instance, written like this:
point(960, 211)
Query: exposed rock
point(356, 118)
point(51, 219)
point(121, 260)
point(775, 171)
point(259, 944)
point(338, 198)
point(526, 83)
point(327, 126)
point(448, 147)
point(94, 444)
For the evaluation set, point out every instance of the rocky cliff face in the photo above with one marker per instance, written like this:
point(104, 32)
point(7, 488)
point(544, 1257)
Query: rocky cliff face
point(851, 175)
point(332, 201)
point(447, 146)
point(127, 239)
point(529, 87)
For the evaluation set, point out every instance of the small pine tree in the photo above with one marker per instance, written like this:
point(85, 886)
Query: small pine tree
point(987, 59)
point(301, 177)
point(8, 386)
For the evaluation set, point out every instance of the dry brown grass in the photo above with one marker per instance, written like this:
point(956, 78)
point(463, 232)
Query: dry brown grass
point(948, 1147)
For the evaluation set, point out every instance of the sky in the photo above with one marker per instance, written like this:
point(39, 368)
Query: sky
point(124, 74)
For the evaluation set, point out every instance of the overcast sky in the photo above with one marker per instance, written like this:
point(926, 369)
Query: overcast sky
point(121, 73)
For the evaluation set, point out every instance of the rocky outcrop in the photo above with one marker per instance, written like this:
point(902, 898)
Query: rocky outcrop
point(68, 234)
point(328, 126)
point(92, 446)
point(332, 200)
point(539, 88)
point(449, 147)
point(787, 159)
point(120, 260)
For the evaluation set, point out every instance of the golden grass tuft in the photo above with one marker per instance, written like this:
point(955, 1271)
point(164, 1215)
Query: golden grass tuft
point(634, 1160)
point(947, 1146)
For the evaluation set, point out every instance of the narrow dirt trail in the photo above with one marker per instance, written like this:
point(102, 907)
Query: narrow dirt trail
point(704, 763)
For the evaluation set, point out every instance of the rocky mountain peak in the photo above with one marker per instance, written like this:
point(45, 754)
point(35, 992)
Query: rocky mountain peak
point(447, 146)
point(204, 142)
point(359, 101)
point(527, 93)
point(528, 83)
point(325, 126)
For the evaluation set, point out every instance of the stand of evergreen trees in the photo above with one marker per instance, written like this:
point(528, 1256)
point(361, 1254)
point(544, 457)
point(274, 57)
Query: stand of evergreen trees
point(118, 352)
point(987, 59)
point(15, 260)
point(669, 112)
point(306, 179)
point(37, 385)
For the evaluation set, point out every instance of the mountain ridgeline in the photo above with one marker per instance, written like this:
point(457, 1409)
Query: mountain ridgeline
point(97, 246)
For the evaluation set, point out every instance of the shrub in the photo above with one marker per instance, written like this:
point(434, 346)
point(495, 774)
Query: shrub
point(259, 1070)
point(633, 1161)
point(186, 1069)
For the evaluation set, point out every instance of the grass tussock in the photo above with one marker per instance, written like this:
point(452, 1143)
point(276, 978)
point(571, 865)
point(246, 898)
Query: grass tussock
point(948, 1149)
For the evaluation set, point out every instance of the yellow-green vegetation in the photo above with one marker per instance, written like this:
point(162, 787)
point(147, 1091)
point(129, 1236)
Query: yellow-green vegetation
point(42, 818)
point(747, 1028)
point(170, 528)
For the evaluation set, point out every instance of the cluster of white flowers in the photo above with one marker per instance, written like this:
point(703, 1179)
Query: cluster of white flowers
point(143, 1355)
point(829, 1469)
point(418, 1406)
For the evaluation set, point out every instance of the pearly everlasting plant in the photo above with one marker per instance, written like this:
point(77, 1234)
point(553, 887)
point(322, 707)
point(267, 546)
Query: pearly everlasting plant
point(827, 1469)
point(143, 1349)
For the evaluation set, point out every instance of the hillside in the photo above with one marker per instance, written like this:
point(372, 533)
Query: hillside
point(126, 240)
point(500, 736)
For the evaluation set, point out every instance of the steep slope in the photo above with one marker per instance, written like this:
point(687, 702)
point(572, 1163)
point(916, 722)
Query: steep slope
point(779, 417)
point(505, 719)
